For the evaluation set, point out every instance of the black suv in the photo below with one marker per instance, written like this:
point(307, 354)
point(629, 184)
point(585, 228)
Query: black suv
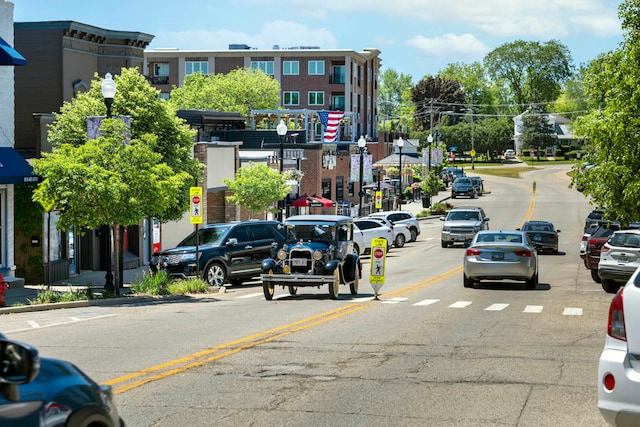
point(463, 186)
point(228, 253)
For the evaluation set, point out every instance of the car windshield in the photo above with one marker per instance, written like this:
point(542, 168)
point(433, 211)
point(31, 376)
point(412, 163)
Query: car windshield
point(310, 232)
point(462, 181)
point(464, 216)
point(499, 238)
point(207, 236)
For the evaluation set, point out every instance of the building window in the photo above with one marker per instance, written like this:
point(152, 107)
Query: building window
point(191, 67)
point(350, 189)
point(337, 102)
point(316, 98)
point(266, 66)
point(290, 68)
point(338, 74)
point(160, 73)
point(339, 188)
point(326, 188)
point(316, 68)
point(291, 98)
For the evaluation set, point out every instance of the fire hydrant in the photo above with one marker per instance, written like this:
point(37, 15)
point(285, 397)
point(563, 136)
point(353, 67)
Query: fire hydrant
point(3, 288)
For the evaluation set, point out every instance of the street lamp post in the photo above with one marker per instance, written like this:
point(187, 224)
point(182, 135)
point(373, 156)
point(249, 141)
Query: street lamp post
point(108, 87)
point(281, 129)
point(400, 145)
point(429, 141)
point(362, 144)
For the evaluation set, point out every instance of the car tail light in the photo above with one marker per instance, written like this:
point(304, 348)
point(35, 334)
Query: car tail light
point(472, 252)
point(605, 248)
point(524, 253)
point(585, 237)
point(615, 328)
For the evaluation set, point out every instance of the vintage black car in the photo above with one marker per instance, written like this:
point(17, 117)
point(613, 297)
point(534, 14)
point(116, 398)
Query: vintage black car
point(318, 250)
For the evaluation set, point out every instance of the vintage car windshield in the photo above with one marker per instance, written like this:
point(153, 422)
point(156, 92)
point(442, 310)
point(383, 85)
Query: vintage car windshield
point(310, 232)
point(207, 236)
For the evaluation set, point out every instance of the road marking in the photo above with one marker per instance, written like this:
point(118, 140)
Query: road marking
point(394, 300)
point(532, 309)
point(496, 307)
point(572, 311)
point(427, 302)
point(460, 304)
point(257, 294)
point(33, 324)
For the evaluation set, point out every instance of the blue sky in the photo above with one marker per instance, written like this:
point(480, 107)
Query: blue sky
point(416, 37)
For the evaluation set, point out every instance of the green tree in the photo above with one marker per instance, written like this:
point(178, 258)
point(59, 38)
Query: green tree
point(241, 90)
point(536, 132)
point(394, 100)
point(430, 94)
point(256, 187)
point(477, 88)
point(612, 128)
point(531, 72)
point(105, 181)
point(153, 120)
point(572, 103)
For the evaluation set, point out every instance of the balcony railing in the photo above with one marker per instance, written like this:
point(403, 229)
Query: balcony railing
point(337, 79)
point(160, 80)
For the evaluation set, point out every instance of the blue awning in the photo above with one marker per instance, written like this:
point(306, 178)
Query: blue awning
point(10, 56)
point(14, 169)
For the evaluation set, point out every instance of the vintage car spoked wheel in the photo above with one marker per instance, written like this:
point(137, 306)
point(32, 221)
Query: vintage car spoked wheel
point(268, 288)
point(334, 287)
point(353, 286)
point(293, 290)
point(215, 275)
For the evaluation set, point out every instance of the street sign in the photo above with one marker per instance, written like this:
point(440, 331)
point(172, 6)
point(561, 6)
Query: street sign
point(47, 204)
point(378, 199)
point(472, 153)
point(195, 197)
point(378, 264)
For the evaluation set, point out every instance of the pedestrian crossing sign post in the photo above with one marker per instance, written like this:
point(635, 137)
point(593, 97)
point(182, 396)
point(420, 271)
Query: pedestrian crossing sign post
point(378, 199)
point(195, 198)
point(378, 264)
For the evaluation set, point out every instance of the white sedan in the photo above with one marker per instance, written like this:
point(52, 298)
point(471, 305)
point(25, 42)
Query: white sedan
point(619, 367)
point(366, 229)
point(401, 231)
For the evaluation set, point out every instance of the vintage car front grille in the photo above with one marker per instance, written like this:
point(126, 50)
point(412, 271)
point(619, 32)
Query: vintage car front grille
point(300, 260)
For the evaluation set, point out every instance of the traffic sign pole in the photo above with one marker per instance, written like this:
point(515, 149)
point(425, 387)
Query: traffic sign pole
point(378, 264)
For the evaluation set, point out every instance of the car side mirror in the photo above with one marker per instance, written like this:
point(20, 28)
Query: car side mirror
point(557, 231)
point(232, 241)
point(19, 364)
point(442, 218)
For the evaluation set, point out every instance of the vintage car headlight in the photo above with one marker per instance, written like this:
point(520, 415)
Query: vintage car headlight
point(317, 255)
point(282, 254)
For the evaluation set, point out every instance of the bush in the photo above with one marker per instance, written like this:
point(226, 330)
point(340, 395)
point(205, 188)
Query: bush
point(152, 284)
point(47, 296)
point(194, 285)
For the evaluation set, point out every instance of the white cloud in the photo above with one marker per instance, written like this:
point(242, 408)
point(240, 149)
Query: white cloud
point(465, 46)
point(282, 33)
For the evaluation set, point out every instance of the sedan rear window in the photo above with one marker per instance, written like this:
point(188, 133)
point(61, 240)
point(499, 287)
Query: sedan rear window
point(627, 240)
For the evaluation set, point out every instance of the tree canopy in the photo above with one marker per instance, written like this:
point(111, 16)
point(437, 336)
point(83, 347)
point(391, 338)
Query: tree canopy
point(153, 121)
point(531, 72)
point(241, 90)
point(612, 128)
point(394, 100)
point(444, 91)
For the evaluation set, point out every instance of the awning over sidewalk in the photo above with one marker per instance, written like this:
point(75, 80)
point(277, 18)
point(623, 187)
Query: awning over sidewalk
point(10, 56)
point(14, 169)
point(307, 201)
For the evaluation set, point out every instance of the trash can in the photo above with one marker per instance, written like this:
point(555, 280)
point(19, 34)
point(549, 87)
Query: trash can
point(426, 201)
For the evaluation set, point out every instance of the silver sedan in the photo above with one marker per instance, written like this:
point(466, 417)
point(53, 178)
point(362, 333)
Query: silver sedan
point(500, 255)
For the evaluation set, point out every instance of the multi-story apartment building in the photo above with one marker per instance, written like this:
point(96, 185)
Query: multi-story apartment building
point(309, 77)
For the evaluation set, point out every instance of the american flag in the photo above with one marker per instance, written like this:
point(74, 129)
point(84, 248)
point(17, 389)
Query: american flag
point(331, 123)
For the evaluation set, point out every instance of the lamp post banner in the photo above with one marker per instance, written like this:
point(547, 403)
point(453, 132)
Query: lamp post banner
point(367, 168)
point(437, 156)
point(93, 127)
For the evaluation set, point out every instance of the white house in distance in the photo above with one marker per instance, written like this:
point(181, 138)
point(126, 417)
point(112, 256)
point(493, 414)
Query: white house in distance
point(562, 125)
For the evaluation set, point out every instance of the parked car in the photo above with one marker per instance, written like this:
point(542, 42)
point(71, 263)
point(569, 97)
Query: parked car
point(500, 255)
point(542, 234)
point(402, 217)
point(509, 154)
point(463, 187)
point(619, 365)
point(585, 239)
point(478, 184)
point(598, 238)
point(619, 259)
point(46, 392)
point(461, 224)
point(401, 232)
point(449, 174)
point(594, 217)
point(228, 253)
point(318, 250)
point(364, 230)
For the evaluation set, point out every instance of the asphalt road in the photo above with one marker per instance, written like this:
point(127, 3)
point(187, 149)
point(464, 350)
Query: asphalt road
point(429, 352)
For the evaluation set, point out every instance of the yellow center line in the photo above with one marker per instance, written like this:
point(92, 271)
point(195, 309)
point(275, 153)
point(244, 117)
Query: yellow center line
point(212, 354)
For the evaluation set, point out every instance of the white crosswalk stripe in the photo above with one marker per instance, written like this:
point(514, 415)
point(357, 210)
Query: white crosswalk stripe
point(496, 307)
point(532, 309)
point(427, 302)
point(460, 304)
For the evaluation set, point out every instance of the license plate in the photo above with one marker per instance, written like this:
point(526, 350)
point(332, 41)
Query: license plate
point(461, 238)
point(497, 257)
point(299, 262)
point(537, 238)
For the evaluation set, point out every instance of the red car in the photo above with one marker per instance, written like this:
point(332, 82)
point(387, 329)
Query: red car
point(594, 245)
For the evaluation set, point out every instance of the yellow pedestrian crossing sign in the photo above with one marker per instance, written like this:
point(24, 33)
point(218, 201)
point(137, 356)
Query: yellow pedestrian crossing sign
point(378, 264)
point(195, 201)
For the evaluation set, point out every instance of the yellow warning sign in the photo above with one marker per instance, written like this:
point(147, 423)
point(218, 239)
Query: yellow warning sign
point(378, 263)
point(195, 200)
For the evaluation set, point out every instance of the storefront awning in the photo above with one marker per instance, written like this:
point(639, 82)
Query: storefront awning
point(10, 56)
point(14, 169)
